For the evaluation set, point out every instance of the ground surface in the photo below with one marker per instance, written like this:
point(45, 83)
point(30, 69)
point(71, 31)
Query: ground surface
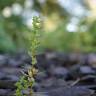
point(60, 74)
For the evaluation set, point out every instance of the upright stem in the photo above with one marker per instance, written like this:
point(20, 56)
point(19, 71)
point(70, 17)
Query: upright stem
point(34, 43)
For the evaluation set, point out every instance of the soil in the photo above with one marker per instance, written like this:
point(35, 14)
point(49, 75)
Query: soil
point(60, 74)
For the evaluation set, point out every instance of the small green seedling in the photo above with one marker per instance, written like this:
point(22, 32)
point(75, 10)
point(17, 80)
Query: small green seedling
point(27, 81)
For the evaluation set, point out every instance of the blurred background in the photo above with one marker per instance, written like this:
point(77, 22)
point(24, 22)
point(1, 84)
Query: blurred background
point(68, 25)
point(68, 45)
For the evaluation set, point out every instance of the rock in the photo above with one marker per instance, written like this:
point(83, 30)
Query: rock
point(58, 58)
point(47, 83)
point(86, 70)
point(13, 78)
point(60, 83)
point(92, 59)
point(74, 58)
point(71, 91)
point(37, 87)
point(2, 75)
point(11, 71)
point(51, 83)
point(74, 71)
point(3, 60)
point(15, 63)
point(3, 92)
point(41, 76)
point(40, 94)
point(24, 57)
point(42, 63)
point(59, 72)
point(51, 55)
point(7, 84)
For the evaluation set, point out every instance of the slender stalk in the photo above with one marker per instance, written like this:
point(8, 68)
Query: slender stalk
point(23, 83)
point(34, 43)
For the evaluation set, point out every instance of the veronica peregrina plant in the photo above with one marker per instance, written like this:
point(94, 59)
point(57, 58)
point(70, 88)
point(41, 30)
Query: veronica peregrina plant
point(27, 81)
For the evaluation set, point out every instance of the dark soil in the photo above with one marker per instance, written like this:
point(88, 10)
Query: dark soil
point(60, 74)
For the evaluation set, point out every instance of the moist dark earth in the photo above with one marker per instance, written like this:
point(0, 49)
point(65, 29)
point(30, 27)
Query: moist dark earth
point(60, 74)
